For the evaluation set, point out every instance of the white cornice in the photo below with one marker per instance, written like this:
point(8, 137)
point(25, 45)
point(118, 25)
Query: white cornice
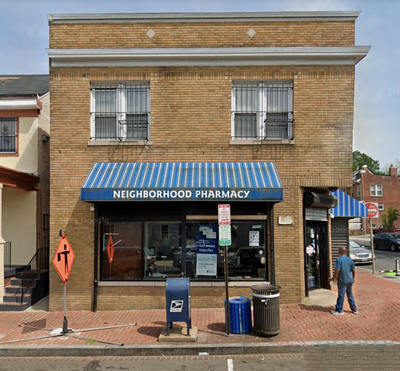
point(204, 17)
point(19, 104)
point(207, 56)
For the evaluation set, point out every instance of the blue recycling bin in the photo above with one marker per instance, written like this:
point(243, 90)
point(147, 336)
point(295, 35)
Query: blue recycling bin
point(240, 315)
point(178, 302)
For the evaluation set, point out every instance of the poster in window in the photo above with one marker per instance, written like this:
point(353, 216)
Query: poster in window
point(254, 238)
point(206, 264)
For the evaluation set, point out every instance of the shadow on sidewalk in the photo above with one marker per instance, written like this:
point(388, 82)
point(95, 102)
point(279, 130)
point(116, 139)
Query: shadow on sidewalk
point(315, 308)
point(40, 324)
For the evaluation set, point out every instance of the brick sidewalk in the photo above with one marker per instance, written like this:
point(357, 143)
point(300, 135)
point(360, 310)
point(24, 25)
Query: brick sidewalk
point(378, 300)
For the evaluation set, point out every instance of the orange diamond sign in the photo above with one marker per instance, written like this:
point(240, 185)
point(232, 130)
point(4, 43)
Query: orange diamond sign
point(110, 249)
point(64, 258)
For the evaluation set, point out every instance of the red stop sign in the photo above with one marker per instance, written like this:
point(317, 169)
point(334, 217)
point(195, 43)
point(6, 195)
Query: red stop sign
point(373, 211)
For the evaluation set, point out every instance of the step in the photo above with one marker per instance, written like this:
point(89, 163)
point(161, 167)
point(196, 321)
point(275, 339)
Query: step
point(13, 307)
point(11, 298)
point(28, 274)
point(18, 289)
point(24, 282)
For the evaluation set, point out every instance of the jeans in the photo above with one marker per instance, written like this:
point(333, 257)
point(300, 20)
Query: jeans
point(343, 289)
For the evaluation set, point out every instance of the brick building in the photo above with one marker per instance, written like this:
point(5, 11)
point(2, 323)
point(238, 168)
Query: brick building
point(381, 189)
point(158, 118)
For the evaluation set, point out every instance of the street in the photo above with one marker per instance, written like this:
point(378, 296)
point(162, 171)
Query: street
point(385, 259)
point(384, 358)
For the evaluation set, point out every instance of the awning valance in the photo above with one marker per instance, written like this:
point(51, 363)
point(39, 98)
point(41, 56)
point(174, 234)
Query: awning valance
point(348, 207)
point(187, 181)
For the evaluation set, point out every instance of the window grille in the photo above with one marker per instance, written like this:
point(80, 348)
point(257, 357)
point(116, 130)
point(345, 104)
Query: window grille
point(121, 112)
point(8, 135)
point(262, 111)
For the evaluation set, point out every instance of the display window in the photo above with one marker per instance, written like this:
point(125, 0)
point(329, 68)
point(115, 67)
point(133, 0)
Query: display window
point(153, 251)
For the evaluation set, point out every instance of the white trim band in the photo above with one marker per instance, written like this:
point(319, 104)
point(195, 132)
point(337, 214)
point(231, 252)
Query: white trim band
point(256, 56)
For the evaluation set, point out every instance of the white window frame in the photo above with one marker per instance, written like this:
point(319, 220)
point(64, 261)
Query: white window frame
point(262, 104)
point(376, 190)
point(121, 108)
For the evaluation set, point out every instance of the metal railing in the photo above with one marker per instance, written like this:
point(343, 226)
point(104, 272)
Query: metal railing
point(41, 260)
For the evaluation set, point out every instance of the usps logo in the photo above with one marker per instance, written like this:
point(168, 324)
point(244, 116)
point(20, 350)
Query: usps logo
point(176, 306)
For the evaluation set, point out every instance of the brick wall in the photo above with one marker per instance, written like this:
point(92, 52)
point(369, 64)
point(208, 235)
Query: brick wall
point(390, 193)
point(191, 121)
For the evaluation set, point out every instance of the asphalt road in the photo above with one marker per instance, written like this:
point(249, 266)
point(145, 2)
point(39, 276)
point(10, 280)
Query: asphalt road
point(364, 358)
point(385, 259)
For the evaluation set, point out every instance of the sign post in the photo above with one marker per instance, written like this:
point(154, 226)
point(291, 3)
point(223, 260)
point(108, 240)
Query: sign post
point(62, 262)
point(373, 212)
point(224, 229)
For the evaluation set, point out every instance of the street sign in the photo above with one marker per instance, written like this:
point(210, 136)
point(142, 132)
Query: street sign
point(224, 214)
point(110, 249)
point(225, 235)
point(64, 258)
point(373, 211)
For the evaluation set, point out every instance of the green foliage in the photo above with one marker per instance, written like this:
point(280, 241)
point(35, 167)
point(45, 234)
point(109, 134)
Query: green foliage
point(361, 159)
point(389, 218)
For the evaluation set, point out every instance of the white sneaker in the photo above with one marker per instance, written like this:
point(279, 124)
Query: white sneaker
point(337, 313)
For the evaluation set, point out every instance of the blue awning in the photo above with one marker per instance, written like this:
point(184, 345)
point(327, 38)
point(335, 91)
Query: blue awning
point(348, 206)
point(187, 181)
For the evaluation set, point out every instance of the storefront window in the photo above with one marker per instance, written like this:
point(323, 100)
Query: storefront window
point(162, 245)
point(158, 254)
point(125, 261)
point(246, 255)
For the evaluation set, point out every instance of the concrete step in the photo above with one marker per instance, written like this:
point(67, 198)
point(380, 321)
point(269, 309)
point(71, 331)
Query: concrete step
point(13, 307)
point(11, 298)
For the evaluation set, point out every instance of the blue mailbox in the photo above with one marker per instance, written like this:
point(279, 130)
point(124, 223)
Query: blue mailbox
point(178, 302)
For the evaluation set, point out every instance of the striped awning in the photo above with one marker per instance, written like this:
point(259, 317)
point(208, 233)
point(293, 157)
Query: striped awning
point(187, 181)
point(348, 207)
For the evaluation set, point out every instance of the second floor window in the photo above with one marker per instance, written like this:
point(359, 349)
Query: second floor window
point(8, 134)
point(262, 110)
point(376, 190)
point(120, 112)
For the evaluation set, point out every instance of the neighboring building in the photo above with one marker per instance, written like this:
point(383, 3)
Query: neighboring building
point(383, 190)
point(24, 171)
point(159, 118)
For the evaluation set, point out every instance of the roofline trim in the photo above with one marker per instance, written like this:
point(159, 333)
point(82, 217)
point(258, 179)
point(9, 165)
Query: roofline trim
point(20, 104)
point(207, 56)
point(204, 17)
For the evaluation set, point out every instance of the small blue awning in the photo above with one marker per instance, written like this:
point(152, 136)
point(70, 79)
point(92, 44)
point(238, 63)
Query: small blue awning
point(348, 207)
point(187, 181)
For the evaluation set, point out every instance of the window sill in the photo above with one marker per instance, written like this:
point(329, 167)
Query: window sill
point(117, 142)
point(192, 283)
point(258, 142)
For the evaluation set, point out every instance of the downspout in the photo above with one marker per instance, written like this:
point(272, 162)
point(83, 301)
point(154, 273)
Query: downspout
point(304, 250)
point(272, 242)
point(96, 255)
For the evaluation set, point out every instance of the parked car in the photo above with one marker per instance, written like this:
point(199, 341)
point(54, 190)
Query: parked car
point(387, 241)
point(382, 229)
point(359, 254)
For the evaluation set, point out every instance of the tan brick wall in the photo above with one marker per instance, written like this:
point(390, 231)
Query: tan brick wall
point(191, 121)
point(202, 34)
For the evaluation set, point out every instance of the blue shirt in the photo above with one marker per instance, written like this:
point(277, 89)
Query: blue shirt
point(345, 265)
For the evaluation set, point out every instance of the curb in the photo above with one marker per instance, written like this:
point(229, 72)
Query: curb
point(193, 350)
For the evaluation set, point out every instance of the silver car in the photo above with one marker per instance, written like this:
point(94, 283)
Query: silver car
point(359, 254)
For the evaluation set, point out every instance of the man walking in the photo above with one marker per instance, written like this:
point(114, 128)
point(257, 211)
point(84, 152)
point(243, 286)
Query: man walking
point(344, 274)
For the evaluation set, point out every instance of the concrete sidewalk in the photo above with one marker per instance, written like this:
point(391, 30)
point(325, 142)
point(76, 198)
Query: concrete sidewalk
point(303, 326)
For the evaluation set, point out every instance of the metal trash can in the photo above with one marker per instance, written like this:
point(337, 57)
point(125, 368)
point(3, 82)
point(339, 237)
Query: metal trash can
point(240, 315)
point(178, 302)
point(266, 309)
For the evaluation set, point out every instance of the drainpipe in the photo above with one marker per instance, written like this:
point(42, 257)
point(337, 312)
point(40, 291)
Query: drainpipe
point(272, 241)
point(96, 253)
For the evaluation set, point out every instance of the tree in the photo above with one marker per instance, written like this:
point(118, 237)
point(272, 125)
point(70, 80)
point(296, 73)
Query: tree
point(389, 218)
point(361, 159)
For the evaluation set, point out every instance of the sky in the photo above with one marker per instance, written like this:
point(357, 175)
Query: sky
point(24, 39)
